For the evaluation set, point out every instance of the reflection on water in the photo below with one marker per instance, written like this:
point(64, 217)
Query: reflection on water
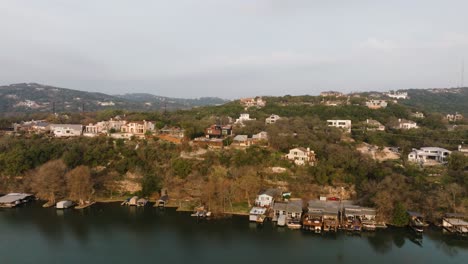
point(110, 232)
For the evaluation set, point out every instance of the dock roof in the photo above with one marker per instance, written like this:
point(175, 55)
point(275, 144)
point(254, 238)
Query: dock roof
point(13, 197)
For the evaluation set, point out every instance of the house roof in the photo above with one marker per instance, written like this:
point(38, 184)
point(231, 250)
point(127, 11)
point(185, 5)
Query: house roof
point(280, 206)
point(295, 206)
point(240, 138)
point(71, 126)
point(258, 210)
point(271, 192)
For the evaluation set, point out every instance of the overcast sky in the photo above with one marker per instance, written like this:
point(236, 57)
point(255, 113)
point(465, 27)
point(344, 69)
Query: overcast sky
point(233, 48)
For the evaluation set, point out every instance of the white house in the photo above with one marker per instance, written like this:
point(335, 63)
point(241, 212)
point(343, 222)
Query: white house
point(267, 198)
point(429, 155)
point(263, 135)
point(242, 118)
point(301, 156)
point(454, 117)
point(406, 124)
point(398, 95)
point(272, 119)
point(418, 115)
point(376, 104)
point(66, 130)
point(343, 124)
point(138, 127)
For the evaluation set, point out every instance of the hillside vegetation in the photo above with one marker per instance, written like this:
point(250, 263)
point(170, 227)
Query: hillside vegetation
point(228, 179)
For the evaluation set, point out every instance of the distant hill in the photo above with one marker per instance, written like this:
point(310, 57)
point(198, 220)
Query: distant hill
point(33, 97)
point(180, 102)
point(443, 100)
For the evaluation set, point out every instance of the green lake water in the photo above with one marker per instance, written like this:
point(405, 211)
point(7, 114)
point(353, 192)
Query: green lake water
point(110, 233)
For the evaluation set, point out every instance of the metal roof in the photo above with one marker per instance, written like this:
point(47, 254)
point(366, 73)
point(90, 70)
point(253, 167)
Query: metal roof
point(13, 197)
point(415, 214)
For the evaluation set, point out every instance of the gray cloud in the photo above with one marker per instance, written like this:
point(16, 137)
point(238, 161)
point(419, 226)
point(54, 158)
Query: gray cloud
point(233, 48)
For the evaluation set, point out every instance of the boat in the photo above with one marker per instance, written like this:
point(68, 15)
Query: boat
point(416, 222)
point(201, 212)
point(162, 201)
point(131, 201)
point(64, 204)
point(293, 225)
point(141, 202)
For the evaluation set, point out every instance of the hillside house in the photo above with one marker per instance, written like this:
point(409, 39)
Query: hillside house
point(429, 155)
point(267, 198)
point(242, 118)
point(252, 102)
point(302, 156)
point(454, 117)
point(374, 125)
point(66, 130)
point(343, 124)
point(331, 94)
point(218, 131)
point(263, 135)
point(397, 95)
point(272, 119)
point(417, 115)
point(242, 141)
point(406, 124)
point(376, 104)
point(33, 126)
point(138, 128)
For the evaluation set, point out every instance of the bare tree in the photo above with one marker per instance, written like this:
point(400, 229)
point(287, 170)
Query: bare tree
point(79, 184)
point(49, 180)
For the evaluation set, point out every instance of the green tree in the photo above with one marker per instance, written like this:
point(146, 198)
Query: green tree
point(400, 217)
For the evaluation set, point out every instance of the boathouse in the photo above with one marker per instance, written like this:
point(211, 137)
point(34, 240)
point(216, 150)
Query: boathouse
point(455, 224)
point(15, 199)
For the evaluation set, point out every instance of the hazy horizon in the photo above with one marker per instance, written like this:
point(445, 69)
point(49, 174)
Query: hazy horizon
point(232, 49)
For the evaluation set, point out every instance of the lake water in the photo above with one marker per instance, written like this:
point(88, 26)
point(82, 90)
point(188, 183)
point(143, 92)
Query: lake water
point(110, 233)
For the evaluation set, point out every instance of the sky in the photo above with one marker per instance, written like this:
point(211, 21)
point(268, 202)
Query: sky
point(233, 48)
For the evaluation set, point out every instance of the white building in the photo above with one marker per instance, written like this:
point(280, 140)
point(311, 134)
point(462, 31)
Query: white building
point(376, 104)
point(272, 119)
point(138, 128)
point(429, 155)
point(256, 212)
point(103, 127)
point(242, 118)
point(418, 115)
point(406, 124)
point(343, 124)
point(260, 136)
point(454, 117)
point(398, 95)
point(66, 130)
point(267, 198)
point(301, 156)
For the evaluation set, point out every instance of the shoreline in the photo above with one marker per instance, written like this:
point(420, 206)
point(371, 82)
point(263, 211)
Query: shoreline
point(178, 208)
